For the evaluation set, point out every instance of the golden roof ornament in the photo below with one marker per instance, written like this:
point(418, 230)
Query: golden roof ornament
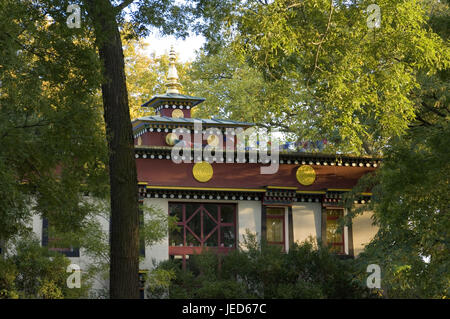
point(172, 83)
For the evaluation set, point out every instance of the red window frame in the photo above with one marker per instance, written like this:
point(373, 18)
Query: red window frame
point(283, 219)
point(183, 251)
point(342, 245)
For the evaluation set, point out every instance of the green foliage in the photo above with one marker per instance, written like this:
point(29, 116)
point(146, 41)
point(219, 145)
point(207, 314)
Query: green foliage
point(159, 282)
point(410, 201)
point(262, 271)
point(32, 271)
point(310, 67)
point(411, 193)
point(53, 148)
point(49, 290)
point(93, 240)
point(356, 85)
point(146, 75)
point(8, 274)
point(237, 91)
point(156, 224)
point(381, 91)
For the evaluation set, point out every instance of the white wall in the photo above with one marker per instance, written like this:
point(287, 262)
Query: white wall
point(346, 246)
point(249, 217)
point(363, 231)
point(37, 227)
point(306, 223)
point(307, 220)
point(286, 229)
point(160, 251)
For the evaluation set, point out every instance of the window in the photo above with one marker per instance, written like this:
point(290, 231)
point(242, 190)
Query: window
point(211, 226)
point(52, 242)
point(335, 239)
point(275, 226)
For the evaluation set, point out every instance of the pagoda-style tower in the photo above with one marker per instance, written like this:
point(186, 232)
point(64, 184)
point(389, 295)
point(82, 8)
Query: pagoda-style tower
point(172, 103)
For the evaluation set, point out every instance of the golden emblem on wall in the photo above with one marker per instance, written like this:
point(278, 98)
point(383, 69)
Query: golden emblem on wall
point(177, 113)
point(202, 171)
point(139, 141)
point(171, 138)
point(306, 175)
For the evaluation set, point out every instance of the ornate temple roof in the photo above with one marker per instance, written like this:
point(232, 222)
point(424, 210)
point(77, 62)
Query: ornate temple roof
point(190, 120)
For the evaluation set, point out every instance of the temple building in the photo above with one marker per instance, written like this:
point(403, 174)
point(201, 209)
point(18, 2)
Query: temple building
point(218, 199)
point(220, 195)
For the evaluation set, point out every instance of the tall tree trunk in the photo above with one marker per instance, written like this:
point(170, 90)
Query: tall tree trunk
point(124, 225)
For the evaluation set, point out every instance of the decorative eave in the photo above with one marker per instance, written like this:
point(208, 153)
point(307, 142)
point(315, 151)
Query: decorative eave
point(224, 194)
point(173, 99)
point(334, 197)
point(320, 159)
point(270, 195)
point(167, 124)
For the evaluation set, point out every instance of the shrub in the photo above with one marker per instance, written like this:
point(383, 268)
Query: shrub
point(35, 272)
point(256, 270)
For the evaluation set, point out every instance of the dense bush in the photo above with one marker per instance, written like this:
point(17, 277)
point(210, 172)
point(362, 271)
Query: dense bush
point(261, 271)
point(35, 272)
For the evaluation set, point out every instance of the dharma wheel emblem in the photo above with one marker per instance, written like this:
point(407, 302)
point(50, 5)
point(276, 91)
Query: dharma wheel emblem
point(202, 171)
point(213, 140)
point(306, 175)
point(177, 113)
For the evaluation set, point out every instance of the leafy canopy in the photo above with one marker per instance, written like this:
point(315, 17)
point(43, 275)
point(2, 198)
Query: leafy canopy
point(355, 85)
point(53, 149)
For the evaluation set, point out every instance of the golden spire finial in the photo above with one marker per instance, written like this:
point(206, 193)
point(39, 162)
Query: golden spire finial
point(172, 83)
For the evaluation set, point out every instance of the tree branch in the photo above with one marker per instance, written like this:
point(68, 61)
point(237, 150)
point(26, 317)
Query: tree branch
point(319, 44)
point(123, 5)
point(426, 123)
point(30, 48)
point(298, 4)
point(434, 110)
